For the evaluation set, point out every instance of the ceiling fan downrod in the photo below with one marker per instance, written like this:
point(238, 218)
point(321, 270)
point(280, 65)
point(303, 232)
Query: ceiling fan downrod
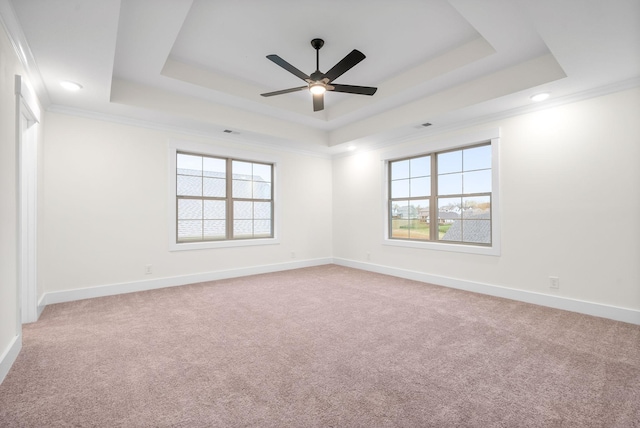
point(317, 45)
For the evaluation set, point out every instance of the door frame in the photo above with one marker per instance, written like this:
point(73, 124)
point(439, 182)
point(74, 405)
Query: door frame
point(27, 128)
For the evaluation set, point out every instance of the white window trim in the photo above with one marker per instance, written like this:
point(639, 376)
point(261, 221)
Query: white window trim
point(175, 146)
point(492, 136)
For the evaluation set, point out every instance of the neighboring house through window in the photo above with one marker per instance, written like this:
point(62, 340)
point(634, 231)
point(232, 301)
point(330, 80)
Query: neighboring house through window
point(219, 200)
point(444, 198)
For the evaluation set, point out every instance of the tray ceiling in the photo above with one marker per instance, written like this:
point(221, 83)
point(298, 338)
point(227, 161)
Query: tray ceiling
point(200, 65)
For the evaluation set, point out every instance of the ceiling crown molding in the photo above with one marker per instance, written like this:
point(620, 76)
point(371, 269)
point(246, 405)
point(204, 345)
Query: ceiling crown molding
point(23, 51)
point(249, 141)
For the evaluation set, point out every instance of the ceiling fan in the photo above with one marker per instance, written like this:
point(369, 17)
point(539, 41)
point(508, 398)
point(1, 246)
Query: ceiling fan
point(318, 82)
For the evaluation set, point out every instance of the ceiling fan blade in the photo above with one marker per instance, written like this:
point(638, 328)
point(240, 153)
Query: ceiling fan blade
point(290, 68)
point(285, 91)
point(350, 89)
point(345, 64)
point(318, 102)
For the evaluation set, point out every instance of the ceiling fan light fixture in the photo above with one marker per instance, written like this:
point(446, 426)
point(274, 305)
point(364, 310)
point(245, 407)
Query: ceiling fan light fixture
point(317, 88)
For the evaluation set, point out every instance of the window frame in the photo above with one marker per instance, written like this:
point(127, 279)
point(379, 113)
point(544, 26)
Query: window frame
point(433, 147)
point(229, 155)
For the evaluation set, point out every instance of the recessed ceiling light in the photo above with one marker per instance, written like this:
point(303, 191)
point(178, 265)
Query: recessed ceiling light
point(70, 86)
point(540, 97)
point(351, 148)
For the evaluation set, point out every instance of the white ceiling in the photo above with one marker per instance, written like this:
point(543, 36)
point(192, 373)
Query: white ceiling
point(199, 65)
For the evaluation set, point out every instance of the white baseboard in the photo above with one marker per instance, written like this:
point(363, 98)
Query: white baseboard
point(589, 308)
point(41, 306)
point(130, 287)
point(9, 356)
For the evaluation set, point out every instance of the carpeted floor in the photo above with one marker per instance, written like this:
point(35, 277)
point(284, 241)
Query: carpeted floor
point(326, 346)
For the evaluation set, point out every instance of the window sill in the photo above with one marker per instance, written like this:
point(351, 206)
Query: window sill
point(439, 246)
point(222, 244)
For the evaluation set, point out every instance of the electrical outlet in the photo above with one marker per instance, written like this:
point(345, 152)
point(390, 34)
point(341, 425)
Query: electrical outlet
point(293, 254)
point(368, 256)
point(554, 282)
point(148, 269)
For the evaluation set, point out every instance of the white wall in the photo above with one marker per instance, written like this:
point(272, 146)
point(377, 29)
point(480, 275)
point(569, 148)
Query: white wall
point(106, 208)
point(9, 67)
point(570, 206)
point(568, 188)
point(10, 325)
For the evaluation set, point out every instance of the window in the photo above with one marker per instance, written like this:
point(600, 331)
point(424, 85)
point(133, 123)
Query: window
point(220, 199)
point(444, 198)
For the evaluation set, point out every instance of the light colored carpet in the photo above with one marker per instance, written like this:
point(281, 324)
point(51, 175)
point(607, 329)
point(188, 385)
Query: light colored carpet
point(326, 346)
